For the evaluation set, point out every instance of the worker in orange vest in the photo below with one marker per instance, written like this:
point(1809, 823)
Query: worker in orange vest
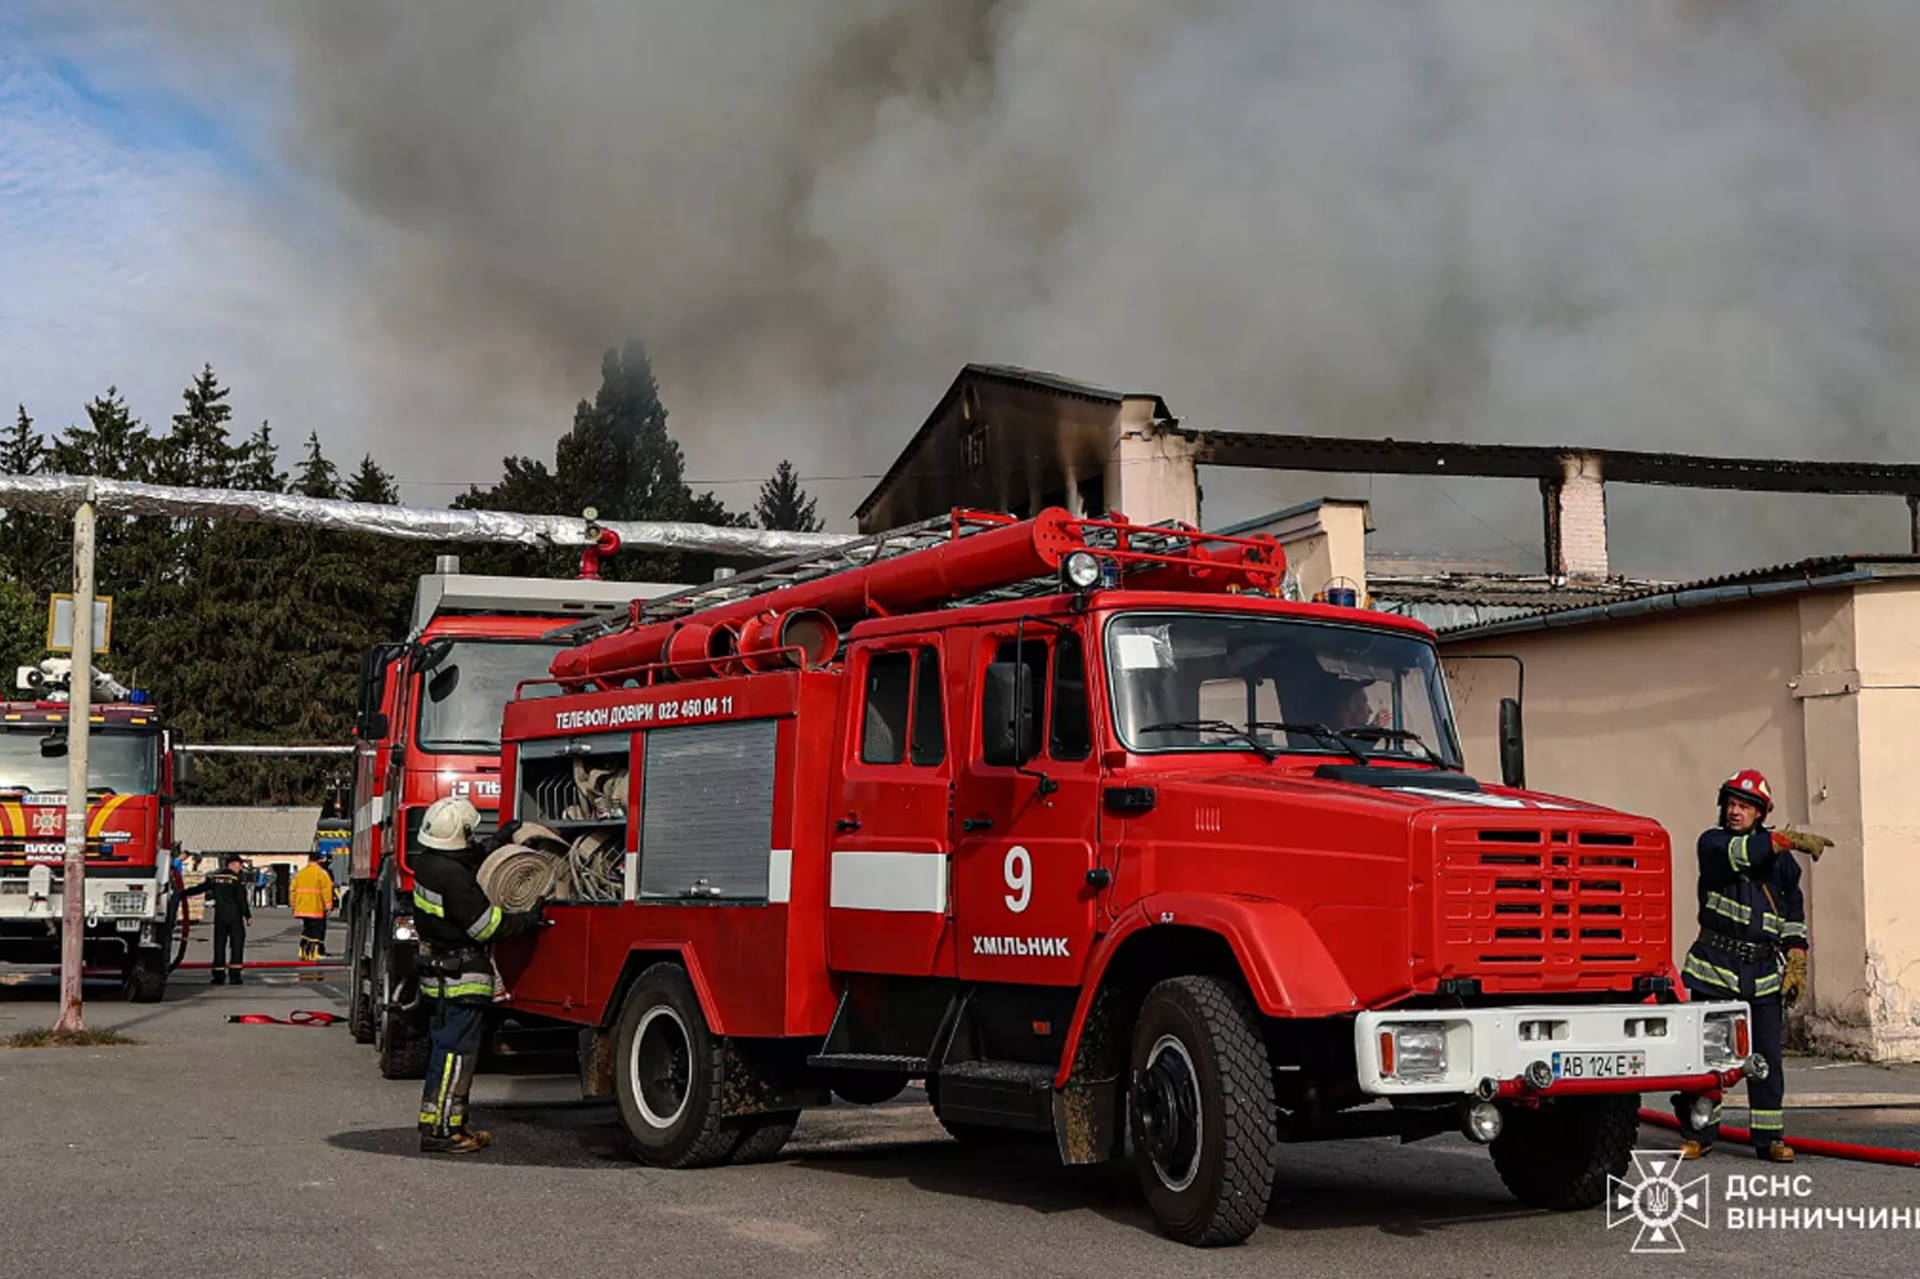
point(312, 898)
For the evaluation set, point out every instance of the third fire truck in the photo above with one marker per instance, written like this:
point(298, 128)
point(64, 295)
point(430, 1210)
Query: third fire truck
point(1083, 825)
point(429, 724)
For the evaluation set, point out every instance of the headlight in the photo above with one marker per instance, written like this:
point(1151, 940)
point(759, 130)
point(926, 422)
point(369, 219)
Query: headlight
point(1414, 1050)
point(1080, 571)
point(403, 930)
point(127, 903)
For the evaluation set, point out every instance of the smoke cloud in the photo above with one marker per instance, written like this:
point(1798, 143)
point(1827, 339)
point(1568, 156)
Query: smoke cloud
point(1685, 225)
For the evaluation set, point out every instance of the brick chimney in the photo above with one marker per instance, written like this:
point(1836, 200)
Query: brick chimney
point(1576, 519)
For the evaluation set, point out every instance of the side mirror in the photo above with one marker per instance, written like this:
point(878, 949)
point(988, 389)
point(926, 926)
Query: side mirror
point(374, 728)
point(1513, 744)
point(441, 683)
point(183, 768)
point(432, 653)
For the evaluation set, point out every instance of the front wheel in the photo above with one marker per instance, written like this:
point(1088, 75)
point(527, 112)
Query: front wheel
point(1200, 1105)
point(1559, 1154)
point(402, 1049)
point(668, 1074)
point(359, 976)
point(146, 976)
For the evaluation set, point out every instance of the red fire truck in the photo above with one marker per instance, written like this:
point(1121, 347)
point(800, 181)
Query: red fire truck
point(1082, 825)
point(429, 724)
point(131, 899)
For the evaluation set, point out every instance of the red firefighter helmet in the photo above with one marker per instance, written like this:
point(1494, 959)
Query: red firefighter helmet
point(1748, 785)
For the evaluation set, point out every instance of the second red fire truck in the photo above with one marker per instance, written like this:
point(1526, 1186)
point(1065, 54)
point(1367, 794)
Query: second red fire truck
point(1082, 825)
point(429, 725)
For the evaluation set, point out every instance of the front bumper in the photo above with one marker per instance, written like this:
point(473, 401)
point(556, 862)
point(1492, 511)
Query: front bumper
point(113, 903)
point(1506, 1052)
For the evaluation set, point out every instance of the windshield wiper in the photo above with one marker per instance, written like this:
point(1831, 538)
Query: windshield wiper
point(1260, 748)
point(1371, 733)
point(459, 743)
point(1319, 732)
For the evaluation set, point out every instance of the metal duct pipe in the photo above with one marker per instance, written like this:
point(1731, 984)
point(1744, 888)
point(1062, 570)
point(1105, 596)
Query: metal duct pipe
point(951, 569)
point(265, 750)
point(63, 494)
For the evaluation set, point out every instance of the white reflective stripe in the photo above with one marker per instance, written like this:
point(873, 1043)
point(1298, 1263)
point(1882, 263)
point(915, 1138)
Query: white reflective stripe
point(780, 875)
point(889, 881)
point(420, 890)
point(372, 812)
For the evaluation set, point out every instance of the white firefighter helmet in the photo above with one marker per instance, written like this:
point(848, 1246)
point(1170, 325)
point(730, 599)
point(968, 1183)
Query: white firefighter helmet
point(449, 824)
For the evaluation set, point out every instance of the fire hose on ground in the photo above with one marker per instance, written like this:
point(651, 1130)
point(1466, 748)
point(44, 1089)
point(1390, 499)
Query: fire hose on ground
point(1804, 1145)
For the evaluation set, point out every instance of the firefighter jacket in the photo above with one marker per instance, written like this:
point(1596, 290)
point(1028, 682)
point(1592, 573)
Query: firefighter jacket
point(312, 892)
point(457, 923)
point(1751, 910)
point(227, 891)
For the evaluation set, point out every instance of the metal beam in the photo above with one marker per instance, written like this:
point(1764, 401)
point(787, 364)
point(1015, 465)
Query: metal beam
point(272, 751)
point(1547, 462)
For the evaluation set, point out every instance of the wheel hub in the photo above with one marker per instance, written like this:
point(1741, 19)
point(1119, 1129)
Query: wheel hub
point(1169, 1107)
point(662, 1067)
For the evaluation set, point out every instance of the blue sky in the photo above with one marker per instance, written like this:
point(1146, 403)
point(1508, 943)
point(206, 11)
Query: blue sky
point(148, 225)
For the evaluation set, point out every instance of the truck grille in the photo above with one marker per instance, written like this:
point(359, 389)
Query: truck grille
point(1559, 907)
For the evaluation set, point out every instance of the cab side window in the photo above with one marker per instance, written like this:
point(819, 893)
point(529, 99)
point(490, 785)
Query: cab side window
point(903, 720)
point(883, 736)
point(929, 719)
point(1071, 735)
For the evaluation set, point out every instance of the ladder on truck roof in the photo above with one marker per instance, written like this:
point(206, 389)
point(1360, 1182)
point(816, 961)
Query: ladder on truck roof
point(440, 594)
point(1165, 538)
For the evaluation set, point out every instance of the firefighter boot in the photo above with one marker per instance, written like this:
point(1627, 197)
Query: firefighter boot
point(463, 1141)
point(219, 978)
point(1778, 1152)
point(234, 975)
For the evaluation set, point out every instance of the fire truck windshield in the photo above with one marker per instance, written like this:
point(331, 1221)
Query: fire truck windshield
point(119, 761)
point(1208, 681)
point(464, 696)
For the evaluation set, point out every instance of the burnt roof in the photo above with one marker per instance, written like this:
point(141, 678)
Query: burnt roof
point(1002, 375)
point(1825, 572)
point(1547, 462)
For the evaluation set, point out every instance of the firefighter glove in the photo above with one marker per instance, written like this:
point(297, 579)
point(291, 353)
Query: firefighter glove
point(1794, 982)
point(1801, 841)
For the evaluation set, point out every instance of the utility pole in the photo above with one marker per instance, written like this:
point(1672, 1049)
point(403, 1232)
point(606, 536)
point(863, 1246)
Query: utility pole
point(73, 888)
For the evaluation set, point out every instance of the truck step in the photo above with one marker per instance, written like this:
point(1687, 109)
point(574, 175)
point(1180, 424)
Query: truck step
point(888, 1063)
point(998, 1094)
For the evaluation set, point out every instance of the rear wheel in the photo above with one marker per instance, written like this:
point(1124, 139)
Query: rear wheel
point(763, 1136)
point(1559, 1154)
point(668, 1073)
point(1200, 1101)
point(360, 975)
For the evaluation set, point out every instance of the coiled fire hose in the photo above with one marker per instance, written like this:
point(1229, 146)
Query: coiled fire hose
point(516, 877)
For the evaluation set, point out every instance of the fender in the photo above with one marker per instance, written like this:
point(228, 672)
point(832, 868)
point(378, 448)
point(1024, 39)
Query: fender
point(1287, 967)
point(683, 952)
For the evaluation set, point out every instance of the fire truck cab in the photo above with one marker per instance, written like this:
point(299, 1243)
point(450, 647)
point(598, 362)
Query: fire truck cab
point(131, 894)
point(428, 726)
point(1081, 825)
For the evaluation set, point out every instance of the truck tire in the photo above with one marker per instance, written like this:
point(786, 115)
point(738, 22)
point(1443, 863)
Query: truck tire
point(146, 978)
point(359, 975)
point(401, 1048)
point(1560, 1154)
point(668, 1071)
point(763, 1136)
point(1200, 1107)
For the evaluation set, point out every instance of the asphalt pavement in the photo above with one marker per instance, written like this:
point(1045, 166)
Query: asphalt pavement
point(215, 1149)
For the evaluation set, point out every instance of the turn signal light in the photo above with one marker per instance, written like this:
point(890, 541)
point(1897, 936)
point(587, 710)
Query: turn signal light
point(1741, 1045)
point(1386, 1052)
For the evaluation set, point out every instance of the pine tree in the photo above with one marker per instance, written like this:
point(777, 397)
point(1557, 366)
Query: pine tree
point(618, 460)
point(784, 504)
point(198, 451)
point(317, 477)
point(33, 548)
point(371, 484)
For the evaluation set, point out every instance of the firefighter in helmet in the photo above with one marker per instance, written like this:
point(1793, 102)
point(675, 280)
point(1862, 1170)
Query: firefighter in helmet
point(1752, 946)
point(456, 923)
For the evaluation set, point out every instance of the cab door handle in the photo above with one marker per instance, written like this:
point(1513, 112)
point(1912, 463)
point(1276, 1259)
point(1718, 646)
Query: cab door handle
point(848, 824)
point(976, 823)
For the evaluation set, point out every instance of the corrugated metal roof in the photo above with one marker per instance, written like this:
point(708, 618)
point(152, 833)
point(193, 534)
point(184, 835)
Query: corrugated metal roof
point(209, 829)
point(1818, 573)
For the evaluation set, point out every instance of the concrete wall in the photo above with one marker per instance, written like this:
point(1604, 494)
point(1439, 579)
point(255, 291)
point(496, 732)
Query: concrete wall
point(1151, 475)
point(1820, 691)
